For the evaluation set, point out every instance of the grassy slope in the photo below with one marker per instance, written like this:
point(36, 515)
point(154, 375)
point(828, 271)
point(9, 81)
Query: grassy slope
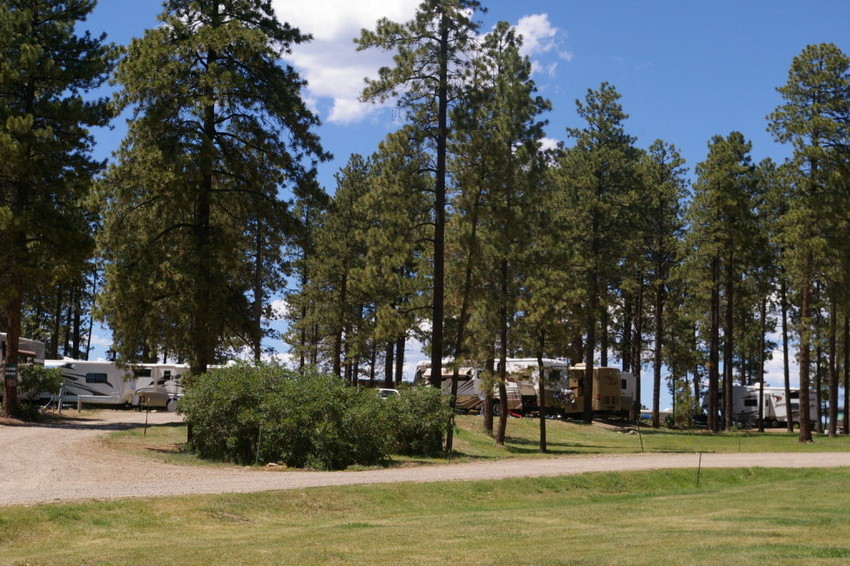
point(564, 439)
point(745, 516)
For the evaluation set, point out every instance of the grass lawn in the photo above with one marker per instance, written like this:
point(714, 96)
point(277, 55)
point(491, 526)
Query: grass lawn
point(745, 516)
point(164, 442)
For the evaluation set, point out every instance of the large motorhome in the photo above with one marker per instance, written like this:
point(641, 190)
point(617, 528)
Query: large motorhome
point(112, 383)
point(158, 385)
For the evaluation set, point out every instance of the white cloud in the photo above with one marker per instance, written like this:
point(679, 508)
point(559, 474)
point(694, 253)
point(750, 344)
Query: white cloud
point(549, 143)
point(538, 34)
point(335, 20)
point(332, 66)
point(280, 308)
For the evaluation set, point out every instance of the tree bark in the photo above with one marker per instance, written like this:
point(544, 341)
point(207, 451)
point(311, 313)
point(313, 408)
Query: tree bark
point(541, 390)
point(805, 354)
point(786, 366)
point(440, 207)
point(714, 348)
point(833, 368)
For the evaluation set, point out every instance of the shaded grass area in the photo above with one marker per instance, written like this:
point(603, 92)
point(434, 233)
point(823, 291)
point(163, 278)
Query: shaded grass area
point(166, 442)
point(741, 516)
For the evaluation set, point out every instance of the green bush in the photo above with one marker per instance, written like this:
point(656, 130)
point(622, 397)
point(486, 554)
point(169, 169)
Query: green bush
point(35, 380)
point(247, 414)
point(421, 417)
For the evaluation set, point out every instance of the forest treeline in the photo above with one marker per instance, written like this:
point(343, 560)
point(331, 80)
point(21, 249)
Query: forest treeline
point(461, 230)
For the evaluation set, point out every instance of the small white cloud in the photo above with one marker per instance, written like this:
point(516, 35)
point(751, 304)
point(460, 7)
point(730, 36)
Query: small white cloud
point(548, 70)
point(280, 308)
point(549, 143)
point(538, 34)
point(565, 55)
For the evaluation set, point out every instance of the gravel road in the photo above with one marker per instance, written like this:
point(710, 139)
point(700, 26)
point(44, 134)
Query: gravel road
point(66, 462)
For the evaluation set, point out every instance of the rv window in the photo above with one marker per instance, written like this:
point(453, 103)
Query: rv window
point(623, 384)
point(555, 375)
point(795, 394)
point(751, 402)
point(142, 372)
point(96, 378)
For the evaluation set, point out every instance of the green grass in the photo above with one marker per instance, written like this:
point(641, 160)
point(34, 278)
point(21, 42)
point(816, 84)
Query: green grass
point(568, 438)
point(741, 516)
point(165, 442)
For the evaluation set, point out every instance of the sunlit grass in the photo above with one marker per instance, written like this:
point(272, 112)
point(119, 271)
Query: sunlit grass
point(471, 442)
point(742, 516)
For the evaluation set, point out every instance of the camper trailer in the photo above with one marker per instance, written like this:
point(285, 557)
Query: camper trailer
point(100, 383)
point(470, 388)
point(115, 384)
point(613, 391)
point(745, 405)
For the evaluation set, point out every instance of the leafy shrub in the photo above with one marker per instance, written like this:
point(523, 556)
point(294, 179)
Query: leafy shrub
point(35, 380)
point(247, 414)
point(421, 418)
point(221, 406)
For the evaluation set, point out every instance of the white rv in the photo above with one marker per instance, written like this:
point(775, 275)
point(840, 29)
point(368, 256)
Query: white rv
point(158, 385)
point(745, 405)
point(100, 383)
point(470, 388)
point(112, 383)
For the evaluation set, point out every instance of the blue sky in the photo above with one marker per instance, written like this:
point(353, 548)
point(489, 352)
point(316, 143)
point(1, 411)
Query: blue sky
point(686, 69)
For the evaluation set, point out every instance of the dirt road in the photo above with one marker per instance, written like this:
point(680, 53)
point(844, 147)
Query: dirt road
point(64, 462)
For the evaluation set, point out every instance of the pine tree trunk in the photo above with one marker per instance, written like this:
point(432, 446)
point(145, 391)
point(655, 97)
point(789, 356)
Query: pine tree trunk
point(656, 369)
point(728, 347)
point(440, 208)
point(603, 338)
point(13, 335)
point(846, 424)
point(399, 359)
point(804, 350)
point(786, 366)
point(762, 354)
point(714, 348)
point(541, 389)
point(637, 350)
point(833, 368)
point(487, 408)
point(389, 367)
point(503, 355)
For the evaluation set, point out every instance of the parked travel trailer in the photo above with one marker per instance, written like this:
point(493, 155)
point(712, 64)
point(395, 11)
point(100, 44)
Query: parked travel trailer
point(101, 383)
point(745, 405)
point(111, 383)
point(470, 388)
point(613, 391)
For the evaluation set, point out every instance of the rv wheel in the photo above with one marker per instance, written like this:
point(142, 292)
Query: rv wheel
point(497, 408)
point(171, 406)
